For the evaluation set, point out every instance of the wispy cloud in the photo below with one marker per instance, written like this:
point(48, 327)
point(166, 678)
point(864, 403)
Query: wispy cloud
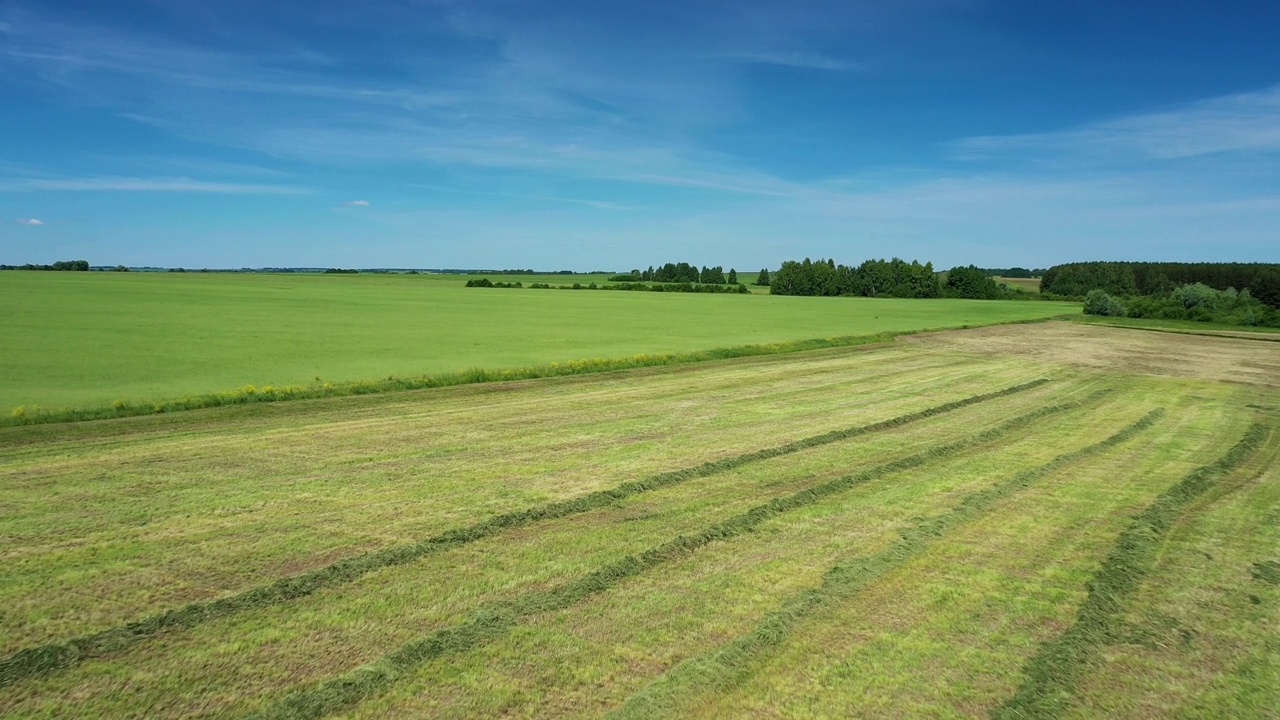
point(796, 59)
point(1245, 122)
point(539, 99)
point(566, 113)
point(597, 204)
point(165, 165)
point(30, 221)
point(135, 184)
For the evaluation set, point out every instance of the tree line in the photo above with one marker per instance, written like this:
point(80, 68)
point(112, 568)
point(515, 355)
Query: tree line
point(885, 278)
point(1155, 278)
point(680, 272)
point(1014, 272)
point(61, 265)
point(625, 286)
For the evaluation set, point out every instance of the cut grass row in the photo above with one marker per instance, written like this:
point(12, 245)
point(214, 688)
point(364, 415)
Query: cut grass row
point(330, 696)
point(52, 656)
point(1199, 637)
point(725, 665)
point(1051, 675)
point(237, 664)
point(124, 519)
point(946, 634)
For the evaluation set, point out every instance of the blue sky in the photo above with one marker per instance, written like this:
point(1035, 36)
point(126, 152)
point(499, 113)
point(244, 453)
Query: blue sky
point(591, 135)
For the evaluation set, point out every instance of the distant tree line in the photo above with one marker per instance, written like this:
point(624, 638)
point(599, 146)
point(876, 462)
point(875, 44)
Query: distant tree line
point(61, 265)
point(1152, 278)
point(681, 272)
point(687, 287)
point(625, 286)
point(341, 271)
point(895, 278)
point(1014, 272)
point(884, 278)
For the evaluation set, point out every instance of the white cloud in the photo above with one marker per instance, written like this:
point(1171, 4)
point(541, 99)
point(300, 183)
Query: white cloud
point(357, 203)
point(30, 221)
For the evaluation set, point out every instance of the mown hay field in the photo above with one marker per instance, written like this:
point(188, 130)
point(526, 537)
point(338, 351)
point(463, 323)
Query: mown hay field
point(945, 526)
point(89, 340)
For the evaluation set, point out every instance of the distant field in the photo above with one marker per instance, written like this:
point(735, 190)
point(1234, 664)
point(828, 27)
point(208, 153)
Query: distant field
point(77, 339)
point(1028, 284)
point(1049, 520)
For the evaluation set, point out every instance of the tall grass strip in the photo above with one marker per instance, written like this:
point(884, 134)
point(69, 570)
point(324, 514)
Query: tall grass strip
point(1242, 332)
point(250, 394)
point(351, 688)
point(728, 664)
point(48, 657)
point(1051, 674)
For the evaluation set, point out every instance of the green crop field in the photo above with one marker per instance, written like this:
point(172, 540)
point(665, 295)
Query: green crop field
point(91, 339)
point(1046, 520)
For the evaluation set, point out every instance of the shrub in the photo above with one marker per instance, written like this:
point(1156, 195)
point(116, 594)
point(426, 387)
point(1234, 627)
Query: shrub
point(1199, 295)
point(1098, 302)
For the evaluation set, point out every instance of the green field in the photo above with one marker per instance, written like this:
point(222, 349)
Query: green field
point(90, 339)
point(1048, 520)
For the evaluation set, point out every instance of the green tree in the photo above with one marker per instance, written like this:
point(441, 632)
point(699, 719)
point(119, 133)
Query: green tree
point(970, 282)
point(1266, 288)
point(712, 275)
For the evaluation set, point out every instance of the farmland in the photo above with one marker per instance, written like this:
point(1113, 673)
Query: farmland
point(1048, 520)
point(1028, 284)
point(91, 339)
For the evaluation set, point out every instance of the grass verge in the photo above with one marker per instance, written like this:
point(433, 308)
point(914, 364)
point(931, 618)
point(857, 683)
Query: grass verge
point(49, 657)
point(1185, 327)
point(32, 415)
point(728, 663)
point(330, 696)
point(1051, 674)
